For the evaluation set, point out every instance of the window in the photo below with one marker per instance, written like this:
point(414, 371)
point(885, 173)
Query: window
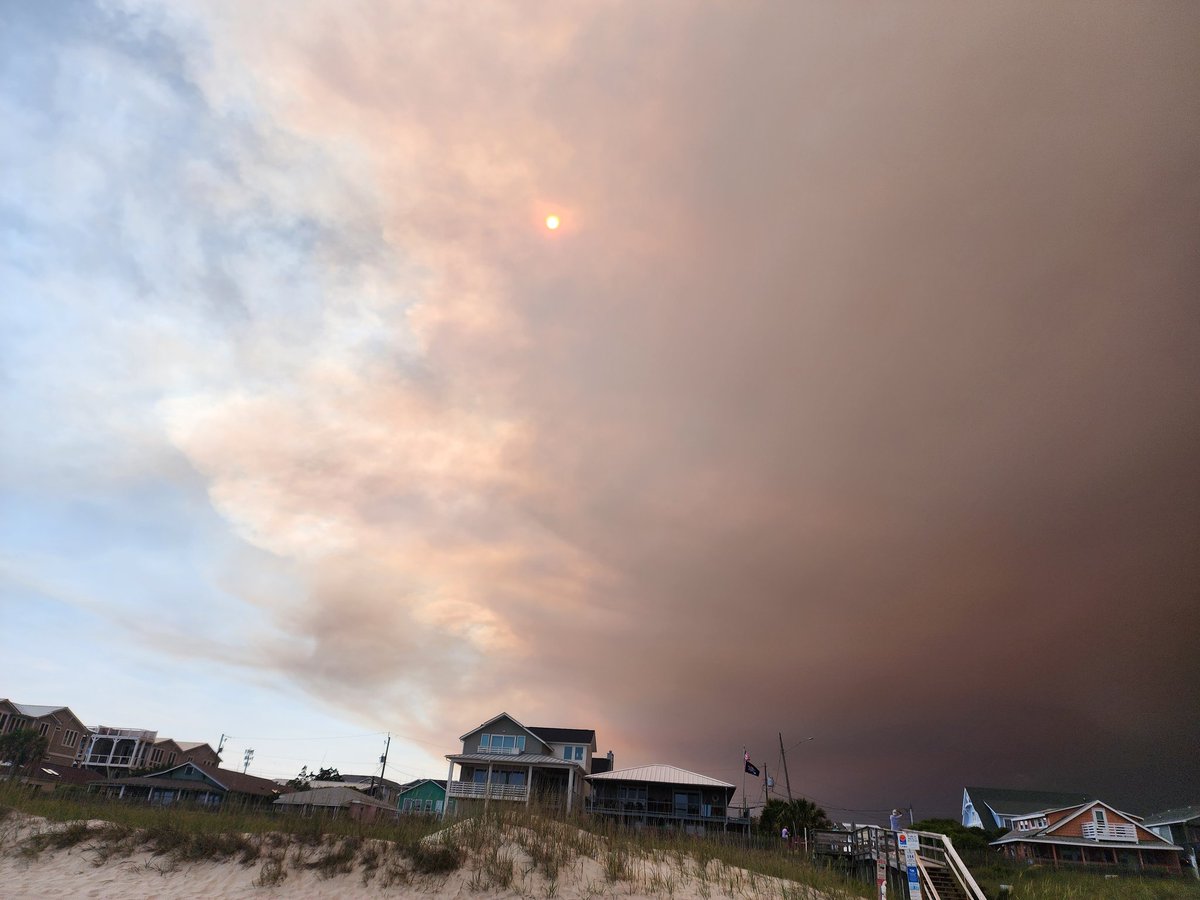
point(428, 806)
point(171, 760)
point(437, 807)
point(502, 743)
point(70, 739)
point(579, 753)
point(1099, 817)
point(407, 805)
point(3, 721)
point(43, 728)
point(573, 752)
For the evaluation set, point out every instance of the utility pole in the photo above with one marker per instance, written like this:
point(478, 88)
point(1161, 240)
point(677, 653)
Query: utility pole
point(383, 772)
point(786, 778)
point(246, 757)
point(221, 746)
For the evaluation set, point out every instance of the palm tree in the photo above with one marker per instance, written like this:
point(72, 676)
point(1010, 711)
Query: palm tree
point(795, 814)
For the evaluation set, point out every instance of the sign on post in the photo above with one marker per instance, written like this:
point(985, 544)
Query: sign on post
point(908, 841)
point(881, 873)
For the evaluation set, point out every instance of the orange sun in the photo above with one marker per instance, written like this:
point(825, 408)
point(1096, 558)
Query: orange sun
point(552, 222)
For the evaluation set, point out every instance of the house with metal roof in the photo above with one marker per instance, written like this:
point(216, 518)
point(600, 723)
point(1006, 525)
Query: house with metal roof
point(338, 801)
point(663, 795)
point(1181, 826)
point(994, 809)
point(61, 728)
point(503, 760)
point(1091, 834)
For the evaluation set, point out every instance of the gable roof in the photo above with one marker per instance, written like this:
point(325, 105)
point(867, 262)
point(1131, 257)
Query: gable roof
point(157, 779)
point(35, 712)
point(1010, 802)
point(1047, 833)
point(240, 782)
point(1129, 818)
point(1173, 816)
point(413, 785)
point(565, 735)
point(496, 718)
point(188, 746)
point(659, 773)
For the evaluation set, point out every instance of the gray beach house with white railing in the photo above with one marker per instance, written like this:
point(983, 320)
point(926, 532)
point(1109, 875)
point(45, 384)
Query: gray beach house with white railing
point(504, 760)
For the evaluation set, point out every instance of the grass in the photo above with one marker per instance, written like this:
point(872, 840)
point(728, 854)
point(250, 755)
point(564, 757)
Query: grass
point(509, 849)
point(1037, 883)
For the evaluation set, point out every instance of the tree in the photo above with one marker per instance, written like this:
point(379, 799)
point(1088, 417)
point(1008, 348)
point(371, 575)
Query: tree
point(962, 837)
point(22, 748)
point(795, 814)
point(305, 778)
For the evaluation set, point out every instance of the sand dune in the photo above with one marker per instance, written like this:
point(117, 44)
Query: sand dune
point(512, 863)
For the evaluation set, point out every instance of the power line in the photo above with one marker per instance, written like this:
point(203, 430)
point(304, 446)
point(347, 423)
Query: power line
point(335, 737)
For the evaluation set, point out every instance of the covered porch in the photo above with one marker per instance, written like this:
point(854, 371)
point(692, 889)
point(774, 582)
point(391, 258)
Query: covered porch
point(1126, 857)
point(532, 779)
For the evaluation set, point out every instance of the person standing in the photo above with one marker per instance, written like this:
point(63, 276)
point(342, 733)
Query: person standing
point(895, 820)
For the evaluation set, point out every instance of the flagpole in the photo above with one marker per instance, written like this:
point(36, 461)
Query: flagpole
point(745, 808)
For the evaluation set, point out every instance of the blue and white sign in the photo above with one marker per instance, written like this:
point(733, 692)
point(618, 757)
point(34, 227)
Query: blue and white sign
point(908, 842)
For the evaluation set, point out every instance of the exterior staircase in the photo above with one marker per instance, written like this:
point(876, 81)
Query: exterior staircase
point(940, 883)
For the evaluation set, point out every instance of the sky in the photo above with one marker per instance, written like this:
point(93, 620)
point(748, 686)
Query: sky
point(856, 398)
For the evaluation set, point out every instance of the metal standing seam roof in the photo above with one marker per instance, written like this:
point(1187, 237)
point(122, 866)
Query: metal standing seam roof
point(520, 759)
point(36, 712)
point(331, 797)
point(659, 773)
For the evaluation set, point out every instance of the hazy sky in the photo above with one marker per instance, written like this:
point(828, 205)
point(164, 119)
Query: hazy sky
point(858, 395)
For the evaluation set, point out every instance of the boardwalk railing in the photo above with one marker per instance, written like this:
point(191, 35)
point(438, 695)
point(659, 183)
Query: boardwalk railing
point(865, 843)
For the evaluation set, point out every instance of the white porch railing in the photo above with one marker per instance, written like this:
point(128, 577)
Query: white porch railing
point(469, 790)
point(1094, 832)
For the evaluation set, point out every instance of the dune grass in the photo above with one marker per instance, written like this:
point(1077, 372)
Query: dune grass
point(507, 848)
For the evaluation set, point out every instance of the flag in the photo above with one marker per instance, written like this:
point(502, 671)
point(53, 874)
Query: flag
point(751, 768)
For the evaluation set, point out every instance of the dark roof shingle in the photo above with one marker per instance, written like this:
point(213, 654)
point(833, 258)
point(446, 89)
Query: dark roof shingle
point(565, 735)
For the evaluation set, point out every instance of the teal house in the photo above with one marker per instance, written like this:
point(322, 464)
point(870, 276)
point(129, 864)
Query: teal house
point(424, 797)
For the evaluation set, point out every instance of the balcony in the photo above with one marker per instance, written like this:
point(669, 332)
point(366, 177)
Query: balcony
point(470, 790)
point(654, 809)
point(103, 759)
point(502, 751)
point(1094, 832)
